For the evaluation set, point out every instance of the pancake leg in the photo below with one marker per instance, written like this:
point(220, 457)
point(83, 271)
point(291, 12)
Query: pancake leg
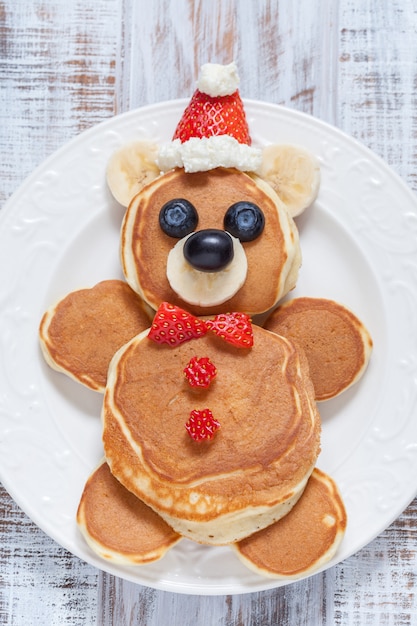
point(302, 541)
point(118, 526)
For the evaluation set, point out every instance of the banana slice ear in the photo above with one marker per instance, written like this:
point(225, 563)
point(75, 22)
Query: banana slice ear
point(130, 168)
point(294, 174)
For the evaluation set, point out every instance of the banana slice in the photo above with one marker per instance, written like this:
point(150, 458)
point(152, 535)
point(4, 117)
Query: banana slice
point(206, 288)
point(294, 173)
point(130, 168)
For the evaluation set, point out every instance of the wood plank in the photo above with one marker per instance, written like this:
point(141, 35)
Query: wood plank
point(279, 49)
point(377, 77)
point(58, 72)
point(57, 62)
point(39, 579)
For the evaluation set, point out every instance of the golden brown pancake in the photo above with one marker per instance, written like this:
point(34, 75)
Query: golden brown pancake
point(118, 526)
point(335, 341)
point(258, 463)
point(303, 540)
point(80, 334)
point(273, 258)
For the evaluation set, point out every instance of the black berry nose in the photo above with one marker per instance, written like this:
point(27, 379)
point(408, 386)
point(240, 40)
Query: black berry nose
point(209, 250)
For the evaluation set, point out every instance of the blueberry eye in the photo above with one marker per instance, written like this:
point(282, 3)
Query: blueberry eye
point(178, 218)
point(244, 220)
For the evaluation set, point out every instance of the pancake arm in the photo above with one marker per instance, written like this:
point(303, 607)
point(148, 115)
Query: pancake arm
point(336, 343)
point(80, 334)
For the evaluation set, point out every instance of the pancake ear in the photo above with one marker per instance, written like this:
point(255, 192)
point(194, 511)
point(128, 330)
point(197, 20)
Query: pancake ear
point(294, 174)
point(130, 168)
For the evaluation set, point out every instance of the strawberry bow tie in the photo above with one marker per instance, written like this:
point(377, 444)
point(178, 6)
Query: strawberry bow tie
point(173, 326)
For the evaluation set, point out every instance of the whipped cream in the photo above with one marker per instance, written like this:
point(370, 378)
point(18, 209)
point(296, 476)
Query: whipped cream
point(203, 154)
point(218, 80)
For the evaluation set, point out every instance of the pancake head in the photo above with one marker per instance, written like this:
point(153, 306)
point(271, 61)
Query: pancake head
point(304, 540)
point(80, 334)
point(119, 527)
point(273, 258)
point(257, 465)
point(335, 341)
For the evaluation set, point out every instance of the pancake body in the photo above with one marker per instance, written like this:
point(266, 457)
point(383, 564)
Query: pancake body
point(305, 539)
point(259, 461)
point(119, 527)
point(273, 258)
point(336, 343)
point(80, 334)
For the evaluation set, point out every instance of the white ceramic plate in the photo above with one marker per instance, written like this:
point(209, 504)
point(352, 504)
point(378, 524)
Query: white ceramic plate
point(60, 232)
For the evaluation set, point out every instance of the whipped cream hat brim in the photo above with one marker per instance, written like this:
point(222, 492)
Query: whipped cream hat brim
point(207, 153)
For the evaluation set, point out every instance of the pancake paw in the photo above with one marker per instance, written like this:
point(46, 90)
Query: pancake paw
point(335, 341)
point(80, 334)
point(304, 540)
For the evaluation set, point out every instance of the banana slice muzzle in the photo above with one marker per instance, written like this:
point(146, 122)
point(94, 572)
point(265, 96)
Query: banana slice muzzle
point(206, 288)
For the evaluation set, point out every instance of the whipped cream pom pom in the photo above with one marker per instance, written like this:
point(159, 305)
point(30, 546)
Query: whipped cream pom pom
point(218, 80)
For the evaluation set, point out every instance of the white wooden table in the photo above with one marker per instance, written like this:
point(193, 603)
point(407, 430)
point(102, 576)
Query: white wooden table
point(66, 66)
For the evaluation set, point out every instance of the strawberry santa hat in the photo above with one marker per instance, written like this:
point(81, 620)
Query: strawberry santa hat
point(213, 131)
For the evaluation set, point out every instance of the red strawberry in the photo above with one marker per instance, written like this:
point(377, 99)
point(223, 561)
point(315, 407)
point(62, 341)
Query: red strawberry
point(173, 325)
point(202, 425)
point(206, 116)
point(200, 372)
point(236, 328)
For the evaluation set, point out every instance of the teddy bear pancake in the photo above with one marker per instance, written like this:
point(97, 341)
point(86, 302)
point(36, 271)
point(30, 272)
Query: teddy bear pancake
point(210, 423)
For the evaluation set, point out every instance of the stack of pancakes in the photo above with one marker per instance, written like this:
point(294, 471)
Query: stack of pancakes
point(255, 486)
point(256, 468)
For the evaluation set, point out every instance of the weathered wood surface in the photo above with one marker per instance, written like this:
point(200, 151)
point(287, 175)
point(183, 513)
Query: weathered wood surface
point(66, 66)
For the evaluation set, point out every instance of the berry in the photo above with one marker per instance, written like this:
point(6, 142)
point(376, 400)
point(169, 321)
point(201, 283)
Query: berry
point(209, 250)
point(206, 116)
point(173, 326)
point(202, 425)
point(178, 217)
point(244, 220)
point(235, 328)
point(200, 371)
